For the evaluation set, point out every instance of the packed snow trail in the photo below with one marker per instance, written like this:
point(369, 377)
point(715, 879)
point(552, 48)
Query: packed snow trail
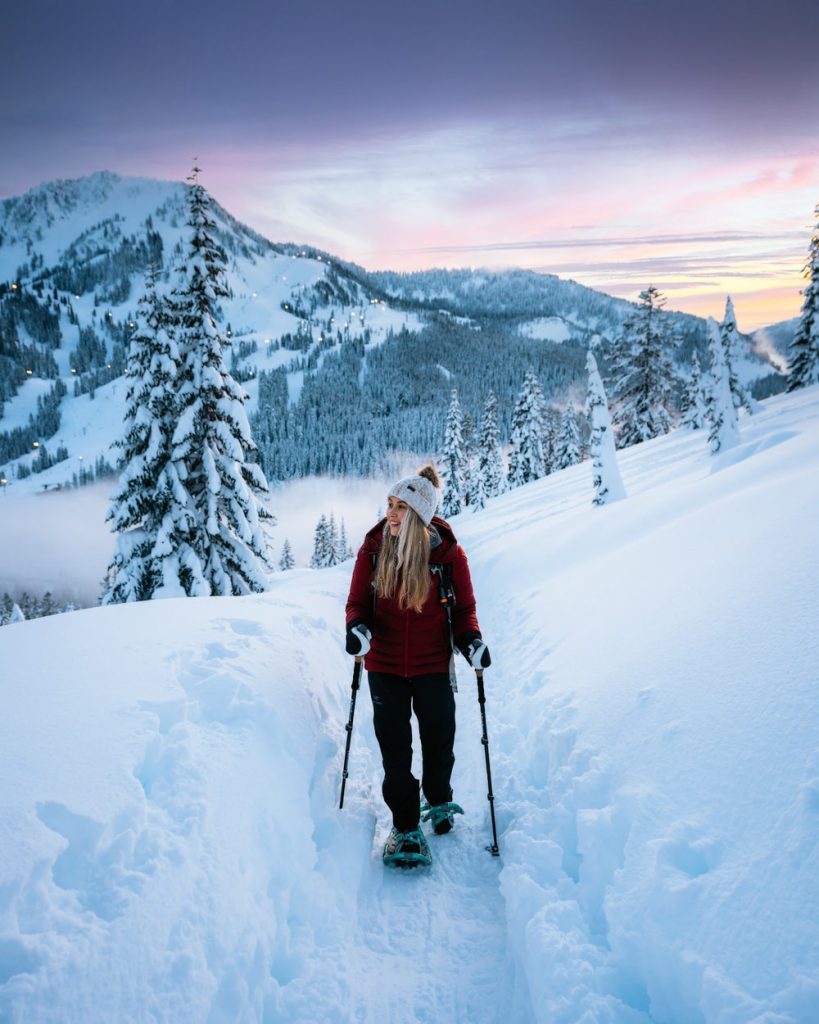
point(432, 941)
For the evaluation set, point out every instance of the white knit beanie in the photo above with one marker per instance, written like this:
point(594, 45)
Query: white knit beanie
point(420, 493)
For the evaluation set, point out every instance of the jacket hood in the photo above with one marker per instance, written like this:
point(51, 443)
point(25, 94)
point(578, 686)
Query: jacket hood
point(443, 552)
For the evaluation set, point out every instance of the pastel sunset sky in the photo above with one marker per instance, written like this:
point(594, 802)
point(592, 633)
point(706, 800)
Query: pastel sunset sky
point(616, 142)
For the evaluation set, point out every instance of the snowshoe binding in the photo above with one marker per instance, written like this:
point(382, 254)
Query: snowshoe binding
point(442, 816)
point(407, 849)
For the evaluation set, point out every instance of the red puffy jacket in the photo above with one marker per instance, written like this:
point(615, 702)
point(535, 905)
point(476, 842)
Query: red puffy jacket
point(404, 642)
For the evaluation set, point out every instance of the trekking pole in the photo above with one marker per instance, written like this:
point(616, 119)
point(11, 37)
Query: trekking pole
point(356, 683)
point(493, 849)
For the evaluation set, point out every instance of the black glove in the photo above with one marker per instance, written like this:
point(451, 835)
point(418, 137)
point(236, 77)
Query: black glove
point(358, 638)
point(474, 650)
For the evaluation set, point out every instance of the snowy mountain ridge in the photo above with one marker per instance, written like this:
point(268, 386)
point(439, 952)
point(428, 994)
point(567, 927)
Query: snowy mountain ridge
point(80, 203)
point(73, 261)
point(170, 846)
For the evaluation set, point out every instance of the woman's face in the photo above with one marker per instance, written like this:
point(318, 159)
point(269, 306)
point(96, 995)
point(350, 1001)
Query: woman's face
point(396, 510)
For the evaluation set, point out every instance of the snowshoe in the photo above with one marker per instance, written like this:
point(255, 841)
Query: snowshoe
point(407, 849)
point(442, 816)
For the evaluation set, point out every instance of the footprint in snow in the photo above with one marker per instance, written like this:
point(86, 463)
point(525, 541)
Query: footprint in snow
point(102, 872)
point(689, 851)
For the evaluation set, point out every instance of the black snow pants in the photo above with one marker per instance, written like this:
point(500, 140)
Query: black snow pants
point(432, 699)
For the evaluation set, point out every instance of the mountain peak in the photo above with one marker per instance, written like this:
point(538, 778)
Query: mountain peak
point(53, 201)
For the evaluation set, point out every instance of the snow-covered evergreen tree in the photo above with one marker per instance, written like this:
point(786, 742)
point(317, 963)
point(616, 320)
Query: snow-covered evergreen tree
point(322, 549)
point(692, 402)
point(145, 495)
point(213, 536)
point(16, 614)
point(344, 549)
point(470, 462)
point(722, 413)
point(286, 561)
point(642, 374)
point(732, 344)
point(452, 460)
point(334, 554)
point(488, 473)
point(608, 484)
point(804, 359)
point(526, 458)
point(473, 498)
point(551, 440)
point(568, 444)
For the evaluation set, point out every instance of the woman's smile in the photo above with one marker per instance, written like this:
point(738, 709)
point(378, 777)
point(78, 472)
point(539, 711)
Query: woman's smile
point(396, 510)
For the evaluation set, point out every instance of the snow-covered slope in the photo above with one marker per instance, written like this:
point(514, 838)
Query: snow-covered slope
point(170, 846)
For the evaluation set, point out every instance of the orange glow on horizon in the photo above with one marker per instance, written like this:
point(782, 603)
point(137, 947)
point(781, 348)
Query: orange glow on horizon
point(699, 222)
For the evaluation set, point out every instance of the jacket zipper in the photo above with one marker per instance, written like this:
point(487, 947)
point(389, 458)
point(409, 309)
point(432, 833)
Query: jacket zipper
point(406, 644)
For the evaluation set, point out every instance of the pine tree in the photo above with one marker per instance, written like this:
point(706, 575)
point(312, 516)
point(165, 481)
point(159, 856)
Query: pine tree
point(804, 368)
point(488, 474)
point(568, 445)
point(471, 491)
point(287, 561)
point(332, 542)
point(473, 499)
point(144, 496)
point(732, 345)
point(642, 374)
point(526, 458)
point(452, 460)
point(551, 440)
point(213, 536)
point(693, 404)
point(608, 484)
point(345, 551)
point(722, 413)
point(320, 558)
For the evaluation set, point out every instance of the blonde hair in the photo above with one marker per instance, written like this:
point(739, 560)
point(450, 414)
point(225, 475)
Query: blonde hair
point(402, 569)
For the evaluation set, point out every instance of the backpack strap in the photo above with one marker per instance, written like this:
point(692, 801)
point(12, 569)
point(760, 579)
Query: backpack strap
point(446, 596)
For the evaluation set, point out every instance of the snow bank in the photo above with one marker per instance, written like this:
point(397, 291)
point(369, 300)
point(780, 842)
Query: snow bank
point(170, 849)
point(170, 807)
point(658, 729)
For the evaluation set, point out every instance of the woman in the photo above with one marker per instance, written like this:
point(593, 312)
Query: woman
point(397, 619)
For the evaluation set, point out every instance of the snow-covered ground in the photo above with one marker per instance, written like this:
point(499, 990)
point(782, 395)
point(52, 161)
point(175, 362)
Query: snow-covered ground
point(171, 849)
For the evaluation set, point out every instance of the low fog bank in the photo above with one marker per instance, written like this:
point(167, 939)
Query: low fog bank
point(56, 541)
point(59, 540)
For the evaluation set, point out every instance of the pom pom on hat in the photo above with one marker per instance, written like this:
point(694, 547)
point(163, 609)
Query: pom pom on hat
point(420, 493)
